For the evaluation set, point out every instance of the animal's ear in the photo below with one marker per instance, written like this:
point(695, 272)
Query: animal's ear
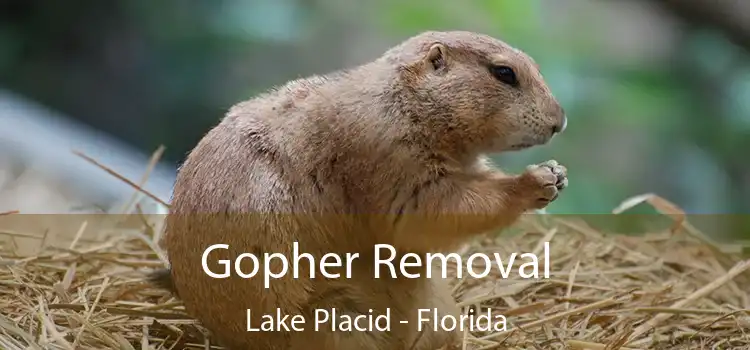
point(436, 57)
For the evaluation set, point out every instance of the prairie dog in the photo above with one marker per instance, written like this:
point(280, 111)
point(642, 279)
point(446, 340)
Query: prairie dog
point(389, 152)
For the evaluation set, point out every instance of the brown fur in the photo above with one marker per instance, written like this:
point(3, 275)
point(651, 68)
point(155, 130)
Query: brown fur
point(393, 152)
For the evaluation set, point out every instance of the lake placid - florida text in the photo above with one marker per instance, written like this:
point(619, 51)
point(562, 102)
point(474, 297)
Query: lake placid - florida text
point(338, 320)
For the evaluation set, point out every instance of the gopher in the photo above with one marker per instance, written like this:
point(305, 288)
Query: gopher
point(393, 151)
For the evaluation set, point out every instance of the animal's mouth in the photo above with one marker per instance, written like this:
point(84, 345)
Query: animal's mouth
point(520, 146)
point(529, 142)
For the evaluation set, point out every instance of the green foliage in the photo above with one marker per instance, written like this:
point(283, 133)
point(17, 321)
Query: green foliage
point(413, 16)
point(514, 19)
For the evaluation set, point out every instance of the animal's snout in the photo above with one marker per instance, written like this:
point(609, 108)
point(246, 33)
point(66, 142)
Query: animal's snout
point(560, 126)
point(559, 118)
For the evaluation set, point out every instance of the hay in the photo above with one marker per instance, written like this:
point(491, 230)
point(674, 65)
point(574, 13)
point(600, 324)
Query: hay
point(662, 290)
point(671, 289)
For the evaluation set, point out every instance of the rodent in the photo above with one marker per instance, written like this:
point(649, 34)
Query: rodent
point(392, 151)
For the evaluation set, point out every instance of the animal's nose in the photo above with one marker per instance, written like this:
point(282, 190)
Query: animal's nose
point(560, 127)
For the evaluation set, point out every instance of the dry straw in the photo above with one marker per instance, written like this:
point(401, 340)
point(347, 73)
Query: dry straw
point(672, 289)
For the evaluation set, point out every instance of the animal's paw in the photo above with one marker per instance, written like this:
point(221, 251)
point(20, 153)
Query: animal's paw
point(542, 183)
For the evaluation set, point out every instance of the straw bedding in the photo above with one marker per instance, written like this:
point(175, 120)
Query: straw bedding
point(662, 290)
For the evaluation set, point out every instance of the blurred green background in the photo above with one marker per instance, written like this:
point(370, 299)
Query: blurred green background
point(657, 92)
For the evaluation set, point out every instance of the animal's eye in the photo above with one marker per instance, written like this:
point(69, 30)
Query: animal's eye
point(504, 74)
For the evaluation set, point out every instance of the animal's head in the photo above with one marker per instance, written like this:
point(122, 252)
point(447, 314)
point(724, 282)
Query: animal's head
point(478, 90)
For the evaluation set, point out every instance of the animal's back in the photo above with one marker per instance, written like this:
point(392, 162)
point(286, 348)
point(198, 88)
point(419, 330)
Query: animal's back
point(246, 185)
